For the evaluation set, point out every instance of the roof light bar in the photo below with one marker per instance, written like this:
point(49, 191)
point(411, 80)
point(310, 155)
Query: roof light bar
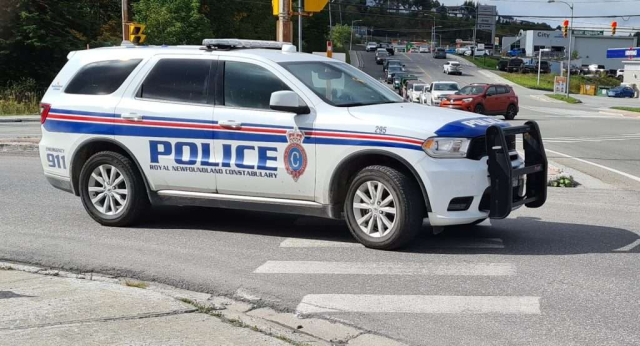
point(217, 43)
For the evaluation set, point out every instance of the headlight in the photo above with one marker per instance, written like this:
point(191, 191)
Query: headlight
point(443, 147)
point(467, 100)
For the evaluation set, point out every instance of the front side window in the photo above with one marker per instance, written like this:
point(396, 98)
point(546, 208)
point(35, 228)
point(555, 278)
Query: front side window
point(249, 86)
point(340, 84)
point(102, 77)
point(180, 80)
point(471, 90)
point(491, 91)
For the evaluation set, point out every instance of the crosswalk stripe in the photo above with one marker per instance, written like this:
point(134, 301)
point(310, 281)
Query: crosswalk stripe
point(423, 304)
point(462, 243)
point(386, 268)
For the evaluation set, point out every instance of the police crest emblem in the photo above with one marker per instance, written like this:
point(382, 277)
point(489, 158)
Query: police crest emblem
point(295, 158)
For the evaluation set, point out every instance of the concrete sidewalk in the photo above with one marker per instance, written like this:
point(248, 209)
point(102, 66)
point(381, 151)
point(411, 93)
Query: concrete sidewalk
point(41, 306)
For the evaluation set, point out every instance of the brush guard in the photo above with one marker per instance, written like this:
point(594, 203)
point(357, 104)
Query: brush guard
point(505, 179)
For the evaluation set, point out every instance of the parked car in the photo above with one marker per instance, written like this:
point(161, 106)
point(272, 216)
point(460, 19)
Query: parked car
point(440, 53)
point(517, 52)
point(424, 49)
point(397, 78)
point(533, 67)
point(477, 52)
point(414, 49)
point(596, 69)
point(452, 67)
point(462, 50)
point(620, 74)
point(391, 71)
point(392, 62)
point(371, 47)
point(437, 91)
point(381, 56)
point(489, 99)
point(414, 90)
point(514, 65)
point(621, 91)
point(502, 65)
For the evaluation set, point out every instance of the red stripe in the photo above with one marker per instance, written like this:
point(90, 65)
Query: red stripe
point(344, 135)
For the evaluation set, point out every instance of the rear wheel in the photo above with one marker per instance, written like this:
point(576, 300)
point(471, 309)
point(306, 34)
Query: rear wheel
point(112, 190)
point(383, 208)
point(512, 111)
point(479, 109)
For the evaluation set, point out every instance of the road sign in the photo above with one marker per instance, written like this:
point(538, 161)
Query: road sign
point(314, 5)
point(622, 53)
point(588, 32)
point(486, 10)
point(480, 45)
point(485, 27)
point(135, 33)
point(559, 85)
point(631, 53)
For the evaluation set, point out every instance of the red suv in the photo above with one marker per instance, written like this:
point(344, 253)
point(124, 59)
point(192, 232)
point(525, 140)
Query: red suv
point(490, 99)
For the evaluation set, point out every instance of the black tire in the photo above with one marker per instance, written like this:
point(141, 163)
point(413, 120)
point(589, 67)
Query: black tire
point(137, 200)
point(479, 109)
point(512, 111)
point(408, 204)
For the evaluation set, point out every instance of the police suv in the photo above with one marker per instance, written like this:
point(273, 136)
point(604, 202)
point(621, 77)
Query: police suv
point(255, 125)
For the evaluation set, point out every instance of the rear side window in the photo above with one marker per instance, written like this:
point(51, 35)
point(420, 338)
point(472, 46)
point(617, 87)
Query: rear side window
point(502, 89)
point(249, 86)
point(180, 80)
point(102, 77)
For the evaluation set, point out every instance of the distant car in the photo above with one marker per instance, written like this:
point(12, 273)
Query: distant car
point(388, 47)
point(404, 80)
point(596, 69)
point(391, 72)
point(392, 62)
point(476, 52)
point(440, 53)
point(489, 99)
point(533, 67)
point(514, 65)
point(452, 67)
point(424, 49)
point(415, 90)
point(621, 91)
point(371, 47)
point(381, 56)
point(397, 78)
point(620, 74)
point(414, 49)
point(502, 65)
point(437, 91)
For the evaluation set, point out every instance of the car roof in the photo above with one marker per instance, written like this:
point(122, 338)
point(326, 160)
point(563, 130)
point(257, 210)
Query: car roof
point(445, 82)
point(453, 62)
point(141, 52)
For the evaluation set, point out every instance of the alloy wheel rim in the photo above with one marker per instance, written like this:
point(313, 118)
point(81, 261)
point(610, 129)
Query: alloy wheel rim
point(374, 208)
point(108, 190)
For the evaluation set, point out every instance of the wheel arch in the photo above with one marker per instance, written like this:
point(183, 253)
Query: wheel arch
point(347, 168)
point(94, 145)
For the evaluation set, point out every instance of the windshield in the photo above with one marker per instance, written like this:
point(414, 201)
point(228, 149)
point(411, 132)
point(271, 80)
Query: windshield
point(418, 88)
point(445, 87)
point(394, 69)
point(471, 90)
point(383, 53)
point(341, 85)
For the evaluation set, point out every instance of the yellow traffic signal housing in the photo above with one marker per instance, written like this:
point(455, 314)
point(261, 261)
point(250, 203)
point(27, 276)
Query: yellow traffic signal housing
point(275, 4)
point(314, 5)
point(135, 33)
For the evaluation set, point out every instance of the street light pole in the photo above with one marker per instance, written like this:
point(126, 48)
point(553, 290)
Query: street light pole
point(540, 60)
point(351, 40)
point(570, 41)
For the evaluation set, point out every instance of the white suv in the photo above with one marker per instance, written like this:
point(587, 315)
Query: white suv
point(274, 130)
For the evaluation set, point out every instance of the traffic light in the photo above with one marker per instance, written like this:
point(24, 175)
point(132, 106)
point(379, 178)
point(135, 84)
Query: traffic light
point(275, 4)
point(565, 28)
point(314, 5)
point(614, 26)
point(135, 33)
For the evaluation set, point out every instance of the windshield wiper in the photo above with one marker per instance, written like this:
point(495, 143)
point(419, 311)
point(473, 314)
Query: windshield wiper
point(356, 104)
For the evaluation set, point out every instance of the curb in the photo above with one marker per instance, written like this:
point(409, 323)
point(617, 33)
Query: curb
point(284, 326)
point(19, 119)
point(19, 145)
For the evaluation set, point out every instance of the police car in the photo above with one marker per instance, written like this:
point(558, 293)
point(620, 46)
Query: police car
point(255, 125)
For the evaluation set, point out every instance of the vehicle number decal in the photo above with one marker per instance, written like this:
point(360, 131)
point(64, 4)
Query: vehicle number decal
point(381, 129)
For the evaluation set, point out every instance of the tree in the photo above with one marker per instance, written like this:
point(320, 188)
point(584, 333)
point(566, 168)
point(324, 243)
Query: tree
point(172, 22)
point(575, 55)
point(340, 35)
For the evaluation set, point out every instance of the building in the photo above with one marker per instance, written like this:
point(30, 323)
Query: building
point(591, 45)
point(631, 74)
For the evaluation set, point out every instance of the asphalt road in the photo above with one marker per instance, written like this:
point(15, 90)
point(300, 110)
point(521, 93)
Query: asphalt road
point(565, 274)
point(584, 132)
point(19, 130)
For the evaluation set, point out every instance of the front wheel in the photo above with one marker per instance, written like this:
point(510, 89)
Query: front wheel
point(383, 208)
point(512, 111)
point(479, 109)
point(112, 190)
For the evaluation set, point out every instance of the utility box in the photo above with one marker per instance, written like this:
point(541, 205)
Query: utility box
point(588, 89)
point(603, 90)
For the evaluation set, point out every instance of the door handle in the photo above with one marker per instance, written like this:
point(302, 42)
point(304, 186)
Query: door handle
point(230, 124)
point(131, 116)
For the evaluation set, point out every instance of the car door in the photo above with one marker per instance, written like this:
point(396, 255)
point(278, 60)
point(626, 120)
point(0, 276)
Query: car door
point(166, 121)
point(491, 102)
point(502, 98)
point(263, 151)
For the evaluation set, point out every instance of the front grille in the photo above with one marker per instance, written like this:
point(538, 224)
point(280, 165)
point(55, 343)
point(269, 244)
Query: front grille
point(478, 147)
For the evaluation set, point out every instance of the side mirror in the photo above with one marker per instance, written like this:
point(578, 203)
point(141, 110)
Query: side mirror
point(288, 101)
point(428, 88)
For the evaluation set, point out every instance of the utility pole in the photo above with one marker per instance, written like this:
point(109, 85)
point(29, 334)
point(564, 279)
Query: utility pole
point(284, 27)
point(299, 25)
point(125, 20)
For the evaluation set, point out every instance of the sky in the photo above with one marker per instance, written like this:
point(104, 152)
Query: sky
point(581, 8)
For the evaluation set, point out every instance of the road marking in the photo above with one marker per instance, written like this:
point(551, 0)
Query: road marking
point(627, 175)
point(421, 69)
point(390, 268)
point(628, 247)
point(462, 243)
point(419, 304)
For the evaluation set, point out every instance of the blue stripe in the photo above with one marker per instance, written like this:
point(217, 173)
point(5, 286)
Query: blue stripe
point(93, 114)
point(181, 120)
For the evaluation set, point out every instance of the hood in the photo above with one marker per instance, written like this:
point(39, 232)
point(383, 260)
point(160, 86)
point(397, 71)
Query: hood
point(410, 119)
point(460, 97)
point(443, 92)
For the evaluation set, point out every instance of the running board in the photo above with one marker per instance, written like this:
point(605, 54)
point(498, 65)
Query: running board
point(276, 205)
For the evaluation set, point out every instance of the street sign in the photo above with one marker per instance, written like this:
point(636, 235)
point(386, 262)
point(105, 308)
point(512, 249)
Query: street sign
point(631, 53)
point(136, 35)
point(486, 10)
point(588, 32)
point(486, 27)
point(486, 19)
point(496, 41)
point(314, 5)
point(622, 53)
point(480, 45)
point(559, 85)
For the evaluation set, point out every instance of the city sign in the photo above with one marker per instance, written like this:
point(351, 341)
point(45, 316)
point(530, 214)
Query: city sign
point(622, 53)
